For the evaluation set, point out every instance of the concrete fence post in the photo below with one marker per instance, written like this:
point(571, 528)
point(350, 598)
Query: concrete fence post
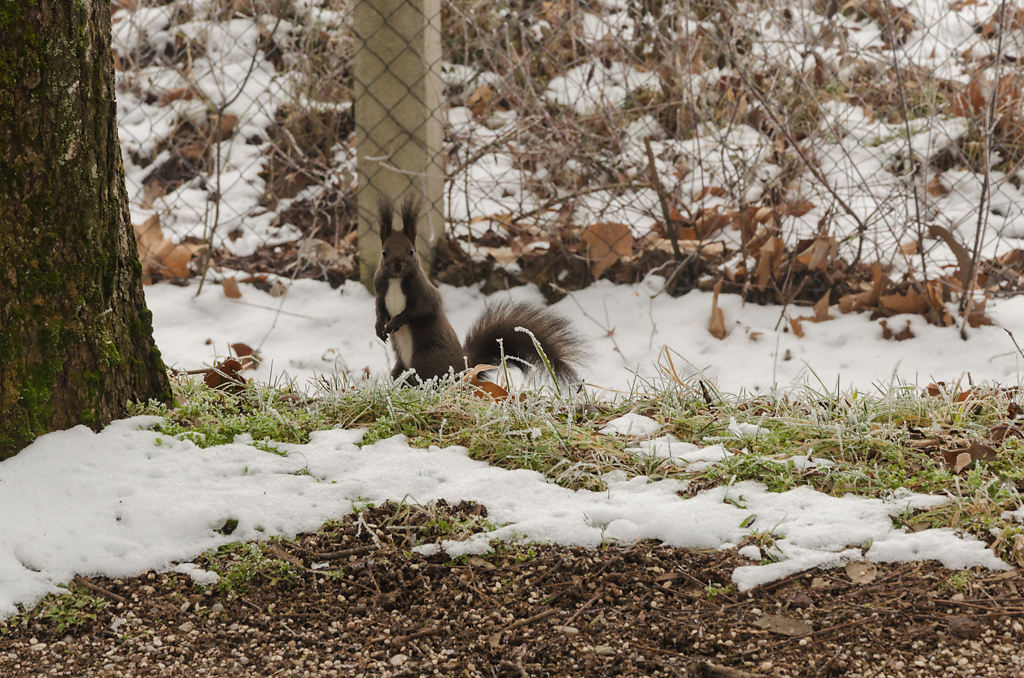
point(398, 117)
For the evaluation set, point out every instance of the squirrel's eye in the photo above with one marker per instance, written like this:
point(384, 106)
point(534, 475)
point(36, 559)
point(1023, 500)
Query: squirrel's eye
point(410, 252)
point(383, 253)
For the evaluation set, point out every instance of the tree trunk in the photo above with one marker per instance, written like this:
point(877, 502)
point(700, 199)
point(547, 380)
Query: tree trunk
point(75, 335)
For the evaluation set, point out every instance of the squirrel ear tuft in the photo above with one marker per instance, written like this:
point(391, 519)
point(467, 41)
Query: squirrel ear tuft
point(410, 213)
point(384, 217)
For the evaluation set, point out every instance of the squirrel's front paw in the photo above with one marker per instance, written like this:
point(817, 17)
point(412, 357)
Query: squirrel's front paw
point(382, 330)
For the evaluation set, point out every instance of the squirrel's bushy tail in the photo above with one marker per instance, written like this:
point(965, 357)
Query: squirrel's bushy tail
point(563, 347)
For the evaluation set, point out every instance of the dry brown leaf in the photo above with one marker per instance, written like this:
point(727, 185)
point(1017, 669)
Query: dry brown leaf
point(798, 209)
point(786, 626)
point(911, 302)
point(1012, 259)
point(607, 243)
point(228, 123)
point(848, 303)
point(710, 221)
point(767, 256)
point(714, 191)
point(1010, 20)
point(926, 444)
point(194, 151)
point(483, 388)
point(797, 325)
point(501, 255)
point(861, 571)
point(224, 375)
point(879, 281)
point(976, 316)
point(186, 93)
point(763, 214)
point(821, 313)
point(246, 355)
point(901, 335)
point(159, 255)
point(964, 396)
point(819, 254)
point(963, 627)
point(148, 236)
point(480, 99)
point(959, 459)
point(151, 190)
point(1001, 432)
point(936, 187)
point(716, 324)
point(963, 257)
point(230, 287)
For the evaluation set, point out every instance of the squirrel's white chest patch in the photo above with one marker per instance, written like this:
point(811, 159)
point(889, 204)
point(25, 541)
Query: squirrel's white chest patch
point(394, 301)
point(394, 298)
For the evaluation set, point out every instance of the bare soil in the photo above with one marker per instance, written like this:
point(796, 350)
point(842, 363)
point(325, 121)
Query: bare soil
point(357, 602)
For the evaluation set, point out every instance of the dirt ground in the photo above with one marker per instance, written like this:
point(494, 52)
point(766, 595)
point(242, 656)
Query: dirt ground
point(351, 600)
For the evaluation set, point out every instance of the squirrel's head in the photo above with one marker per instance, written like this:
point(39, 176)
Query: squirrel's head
point(398, 248)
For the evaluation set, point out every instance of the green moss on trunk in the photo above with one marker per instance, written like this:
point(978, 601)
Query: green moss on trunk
point(75, 335)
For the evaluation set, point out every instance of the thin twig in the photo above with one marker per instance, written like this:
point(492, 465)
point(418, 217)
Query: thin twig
point(95, 588)
point(986, 183)
point(540, 616)
point(666, 212)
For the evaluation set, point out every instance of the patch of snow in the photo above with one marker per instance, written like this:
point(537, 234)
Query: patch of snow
point(631, 424)
point(129, 499)
point(591, 87)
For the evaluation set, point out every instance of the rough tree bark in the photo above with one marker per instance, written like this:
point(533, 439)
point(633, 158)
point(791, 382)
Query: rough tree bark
point(75, 335)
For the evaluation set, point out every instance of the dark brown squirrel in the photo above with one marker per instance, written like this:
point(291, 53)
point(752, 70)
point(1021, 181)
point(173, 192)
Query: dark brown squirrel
point(410, 313)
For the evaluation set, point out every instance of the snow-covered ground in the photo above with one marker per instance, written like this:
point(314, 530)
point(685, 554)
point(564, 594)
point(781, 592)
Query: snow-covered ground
point(313, 329)
point(129, 499)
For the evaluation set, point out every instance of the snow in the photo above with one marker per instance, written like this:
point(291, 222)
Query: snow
point(637, 335)
point(631, 424)
point(129, 499)
point(591, 87)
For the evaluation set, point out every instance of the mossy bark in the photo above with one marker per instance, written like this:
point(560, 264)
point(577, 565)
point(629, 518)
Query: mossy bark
point(75, 335)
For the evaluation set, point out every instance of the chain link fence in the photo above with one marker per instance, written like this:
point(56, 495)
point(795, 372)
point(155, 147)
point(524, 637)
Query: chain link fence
point(871, 147)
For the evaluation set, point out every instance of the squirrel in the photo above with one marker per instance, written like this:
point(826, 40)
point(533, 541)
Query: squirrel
point(411, 314)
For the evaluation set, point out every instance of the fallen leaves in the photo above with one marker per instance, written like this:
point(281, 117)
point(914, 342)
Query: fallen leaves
point(785, 626)
point(900, 335)
point(959, 459)
point(484, 388)
point(225, 374)
point(607, 243)
point(819, 254)
point(716, 324)
point(159, 255)
point(861, 571)
point(230, 286)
